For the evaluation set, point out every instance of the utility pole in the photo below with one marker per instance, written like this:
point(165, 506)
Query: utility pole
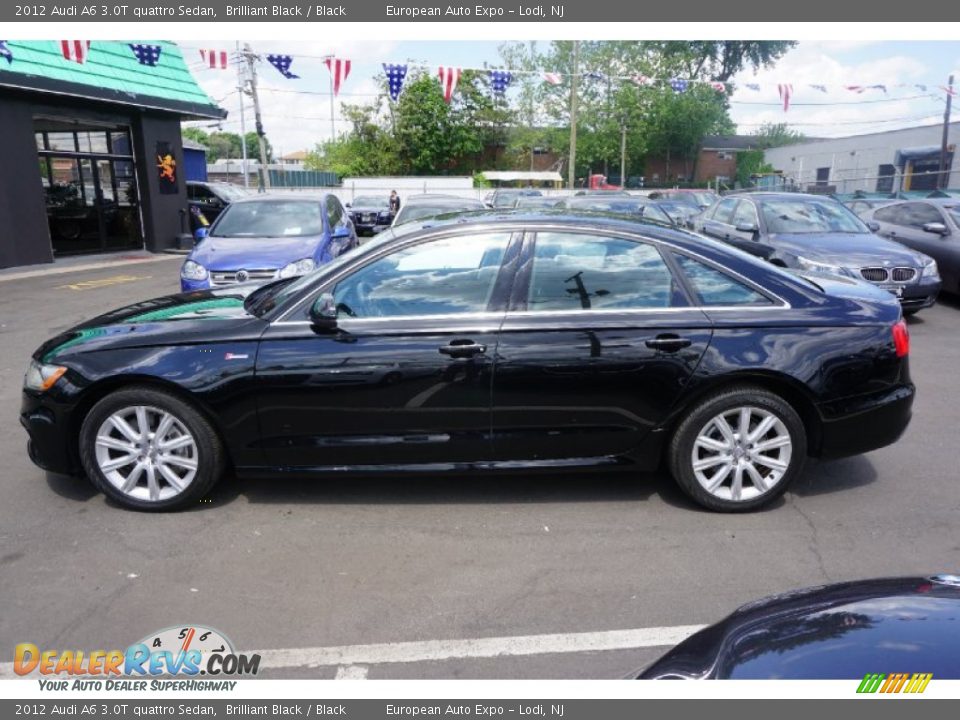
point(242, 87)
point(623, 152)
point(943, 178)
point(264, 183)
point(572, 170)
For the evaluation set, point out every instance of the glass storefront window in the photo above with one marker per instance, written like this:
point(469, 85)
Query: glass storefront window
point(62, 141)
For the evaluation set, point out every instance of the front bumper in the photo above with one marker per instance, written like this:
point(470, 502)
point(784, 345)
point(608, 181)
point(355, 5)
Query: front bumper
point(50, 445)
point(191, 285)
point(914, 296)
point(856, 425)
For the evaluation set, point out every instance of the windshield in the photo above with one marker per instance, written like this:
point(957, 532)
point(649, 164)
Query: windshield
point(705, 198)
point(807, 215)
point(270, 218)
point(419, 211)
point(231, 192)
point(371, 201)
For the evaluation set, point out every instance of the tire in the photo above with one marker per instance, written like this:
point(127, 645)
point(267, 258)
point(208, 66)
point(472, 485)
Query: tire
point(184, 462)
point(701, 437)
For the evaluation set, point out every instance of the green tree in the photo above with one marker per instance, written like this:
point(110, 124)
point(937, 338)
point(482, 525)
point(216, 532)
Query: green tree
point(770, 135)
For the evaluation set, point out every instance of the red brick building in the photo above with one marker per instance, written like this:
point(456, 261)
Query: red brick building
point(716, 158)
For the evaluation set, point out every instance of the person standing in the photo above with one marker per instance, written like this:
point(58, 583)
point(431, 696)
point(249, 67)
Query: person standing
point(394, 203)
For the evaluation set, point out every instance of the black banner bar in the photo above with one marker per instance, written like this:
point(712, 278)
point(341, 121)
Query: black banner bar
point(578, 11)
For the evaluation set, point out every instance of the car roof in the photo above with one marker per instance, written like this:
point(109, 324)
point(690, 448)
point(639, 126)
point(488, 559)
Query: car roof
point(770, 195)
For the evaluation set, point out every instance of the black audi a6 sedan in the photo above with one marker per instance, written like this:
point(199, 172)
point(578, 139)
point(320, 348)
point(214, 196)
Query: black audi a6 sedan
point(511, 341)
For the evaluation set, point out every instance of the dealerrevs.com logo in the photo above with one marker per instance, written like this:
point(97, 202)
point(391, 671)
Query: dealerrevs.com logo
point(186, 651)
point(887, 683)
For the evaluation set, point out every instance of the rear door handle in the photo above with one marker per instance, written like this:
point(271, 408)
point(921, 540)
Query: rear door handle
point(463, 348)
point(668, 343)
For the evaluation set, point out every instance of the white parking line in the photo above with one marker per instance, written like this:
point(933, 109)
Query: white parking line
point(351, 672)
point(347, 656)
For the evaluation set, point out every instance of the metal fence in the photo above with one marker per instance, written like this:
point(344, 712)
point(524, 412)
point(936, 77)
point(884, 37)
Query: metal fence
point(849, 181)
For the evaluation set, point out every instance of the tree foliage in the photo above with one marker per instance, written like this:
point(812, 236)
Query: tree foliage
point(421, 134)
point(227, 144)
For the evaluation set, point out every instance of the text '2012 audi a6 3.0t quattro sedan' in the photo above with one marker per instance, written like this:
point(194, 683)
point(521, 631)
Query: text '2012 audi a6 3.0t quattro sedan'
point(513, 341)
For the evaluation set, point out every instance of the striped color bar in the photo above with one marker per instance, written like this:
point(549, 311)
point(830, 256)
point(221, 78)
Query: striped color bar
point(894, 683)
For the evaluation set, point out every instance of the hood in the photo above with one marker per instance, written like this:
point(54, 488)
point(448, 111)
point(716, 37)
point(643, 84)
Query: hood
point(841, 631)
point(848, 249)
point(191, 317)
point(235, 253)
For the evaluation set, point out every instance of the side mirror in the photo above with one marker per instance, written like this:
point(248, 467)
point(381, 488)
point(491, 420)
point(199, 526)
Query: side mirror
point(347, 205)
point(341, 231)
point(746, 227)
point(873, 225)
point(936, 228)
point(323, 312)
point(200, 233)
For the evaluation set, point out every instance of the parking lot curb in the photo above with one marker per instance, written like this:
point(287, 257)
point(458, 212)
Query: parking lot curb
point(54, 270)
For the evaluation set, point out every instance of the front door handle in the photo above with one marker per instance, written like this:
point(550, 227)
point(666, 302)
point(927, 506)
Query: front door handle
point(668, 343)
point(462, 349)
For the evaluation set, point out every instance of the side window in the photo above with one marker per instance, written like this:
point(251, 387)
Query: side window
point(584, 272)
point(714, 287)
point(745, 213)
point(919, 214)
point(334, 212)
point(443, 277)
point(724, 211)
point(889, 214)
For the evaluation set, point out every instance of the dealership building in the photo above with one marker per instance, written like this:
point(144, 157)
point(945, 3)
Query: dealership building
point(92, 155)
point(886, 162)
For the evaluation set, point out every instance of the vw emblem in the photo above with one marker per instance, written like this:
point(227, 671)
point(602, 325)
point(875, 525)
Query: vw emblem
point(242, 276)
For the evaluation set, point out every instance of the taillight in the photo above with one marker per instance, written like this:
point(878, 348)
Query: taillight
point(901, 339)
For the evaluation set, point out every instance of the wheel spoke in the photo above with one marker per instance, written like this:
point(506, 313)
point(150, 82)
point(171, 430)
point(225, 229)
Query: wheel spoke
point(769, 462)
point(119, 462)
point(711, 444)
point(717, 480)
point(176, 482)
point(124, 427)
point(113, 443)
point(762, 428)
point(736, 487)
point(179, 461)
point(163, 427)
point(720, 422)
point(131, 482)
point(143, 425)
point(744, 429)
point(176, 443)
point(756, 478)
point(709, 462)
point(152, 485)
point(773, 443)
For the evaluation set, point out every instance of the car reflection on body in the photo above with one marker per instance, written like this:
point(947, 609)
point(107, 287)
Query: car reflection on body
point(819, 234)
point(528, 341)
point(266, 237)
point(834, 632)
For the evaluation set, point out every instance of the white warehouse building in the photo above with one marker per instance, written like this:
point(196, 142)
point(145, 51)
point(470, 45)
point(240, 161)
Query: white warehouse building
point(890, 161)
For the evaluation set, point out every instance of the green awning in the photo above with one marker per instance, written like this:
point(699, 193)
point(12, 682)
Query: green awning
point(110, 73)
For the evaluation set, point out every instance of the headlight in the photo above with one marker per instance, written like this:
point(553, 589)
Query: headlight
point(930, 269)
point(816, 266)
point(41, 377)
point(193, 271)
point(300, 267)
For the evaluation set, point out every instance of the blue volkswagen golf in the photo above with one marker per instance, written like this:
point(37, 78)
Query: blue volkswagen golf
point(269, 237)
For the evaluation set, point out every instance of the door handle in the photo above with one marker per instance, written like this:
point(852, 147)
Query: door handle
point(462, 348)
point(668, 343)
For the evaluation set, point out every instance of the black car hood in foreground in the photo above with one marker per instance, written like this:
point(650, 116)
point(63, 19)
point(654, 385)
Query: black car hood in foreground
point(169, 320)
point(839, 631)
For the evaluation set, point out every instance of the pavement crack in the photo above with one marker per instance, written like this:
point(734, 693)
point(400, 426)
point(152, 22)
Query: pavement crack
point(814, 545)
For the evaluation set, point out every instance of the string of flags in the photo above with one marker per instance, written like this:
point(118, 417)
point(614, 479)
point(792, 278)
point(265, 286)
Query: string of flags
point(77, 51)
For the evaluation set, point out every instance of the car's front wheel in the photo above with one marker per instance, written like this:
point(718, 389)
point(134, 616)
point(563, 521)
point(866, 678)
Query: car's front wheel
point(150, 450)
point(738, 449)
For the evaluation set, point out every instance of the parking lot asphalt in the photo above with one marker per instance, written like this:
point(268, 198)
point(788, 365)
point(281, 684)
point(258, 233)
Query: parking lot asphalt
point(308, 564)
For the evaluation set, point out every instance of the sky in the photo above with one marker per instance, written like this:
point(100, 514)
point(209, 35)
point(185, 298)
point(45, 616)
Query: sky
point(296, 113)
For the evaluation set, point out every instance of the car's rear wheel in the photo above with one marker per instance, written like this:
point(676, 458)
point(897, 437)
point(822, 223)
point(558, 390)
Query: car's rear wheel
point(738, 450)
point(150, 450)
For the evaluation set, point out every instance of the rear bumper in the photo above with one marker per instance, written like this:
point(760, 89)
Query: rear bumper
point(860, 424)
